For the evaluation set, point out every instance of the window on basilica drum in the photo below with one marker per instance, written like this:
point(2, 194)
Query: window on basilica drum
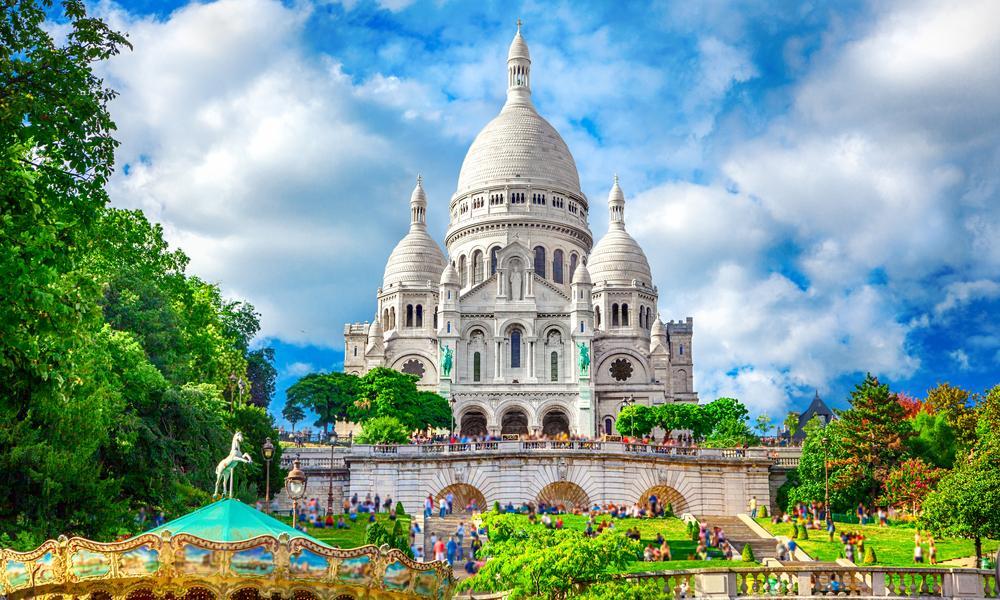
point(557, 266)
point(555, 366)
point(476, 366)
point(515, 349)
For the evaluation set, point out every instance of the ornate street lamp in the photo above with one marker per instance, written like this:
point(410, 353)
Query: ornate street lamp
point(329, 494)
point(295, 486)
point(826, 477)
point(268, 450)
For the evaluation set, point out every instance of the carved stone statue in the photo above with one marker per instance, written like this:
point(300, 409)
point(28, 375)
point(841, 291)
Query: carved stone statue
point(446, 360)
point(224, 472)
point(584, 357)
point(516, 289)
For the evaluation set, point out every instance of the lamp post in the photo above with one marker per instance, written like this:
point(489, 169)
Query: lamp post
point(826, 477)
point(268, 451)
point(295, 485)
point(454, 424)
point(329, 494)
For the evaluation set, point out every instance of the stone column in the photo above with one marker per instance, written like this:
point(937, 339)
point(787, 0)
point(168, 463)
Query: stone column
point(530, 347)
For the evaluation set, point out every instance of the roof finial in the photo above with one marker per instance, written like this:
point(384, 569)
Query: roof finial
point(616, 178)
point(420, 179)
point(519, 25)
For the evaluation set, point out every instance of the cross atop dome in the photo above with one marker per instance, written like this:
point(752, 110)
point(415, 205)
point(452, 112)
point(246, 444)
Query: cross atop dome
point(518, 69)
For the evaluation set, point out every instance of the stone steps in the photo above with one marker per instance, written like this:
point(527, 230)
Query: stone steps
point(740, 535)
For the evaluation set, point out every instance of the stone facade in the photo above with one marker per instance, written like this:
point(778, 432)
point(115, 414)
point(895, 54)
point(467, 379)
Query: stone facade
point(525, 299)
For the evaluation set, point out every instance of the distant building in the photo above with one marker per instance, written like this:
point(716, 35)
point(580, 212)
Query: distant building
point(817, 408)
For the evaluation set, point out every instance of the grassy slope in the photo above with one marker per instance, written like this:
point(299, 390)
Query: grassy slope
point(673, 530)
point(893, 545)
point(355, 535)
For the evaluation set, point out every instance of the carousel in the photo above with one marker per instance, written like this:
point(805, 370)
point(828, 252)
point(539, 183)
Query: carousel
point(225, 550)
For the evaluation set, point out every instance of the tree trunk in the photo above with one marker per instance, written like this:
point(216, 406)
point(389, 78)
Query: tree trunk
point(979, 551)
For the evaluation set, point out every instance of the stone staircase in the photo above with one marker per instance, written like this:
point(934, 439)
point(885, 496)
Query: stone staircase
point(445, 528)
point(739, 535)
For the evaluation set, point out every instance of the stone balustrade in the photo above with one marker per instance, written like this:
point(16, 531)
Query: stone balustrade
point(815, 581)
point(313, 457)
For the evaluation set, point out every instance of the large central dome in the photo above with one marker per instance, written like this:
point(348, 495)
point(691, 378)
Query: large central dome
point(518, 147)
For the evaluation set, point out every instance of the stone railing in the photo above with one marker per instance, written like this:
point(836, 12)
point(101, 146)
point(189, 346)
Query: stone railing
point(814, 581)
point(318, 458)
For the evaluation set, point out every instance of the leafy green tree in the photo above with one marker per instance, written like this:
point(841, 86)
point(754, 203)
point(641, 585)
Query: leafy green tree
point(674, 416)
point(934, 440)
point(762, 424)
point(256, 425)
point(874, 435)
point(636, 420)
point(293, 413)
point(56, 154)
point(909, 483)
point(383, 430)
point(330, 396)
point(955, 405)
point(538, 562)
point(262, 376)
point(725, 409)
point(384, 392)
point(791, 423)
point(808, 483)
point(731, 432)
point(966, 499)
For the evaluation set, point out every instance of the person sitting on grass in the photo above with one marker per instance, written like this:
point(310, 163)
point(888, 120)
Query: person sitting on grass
point(648, 553)
point(659, 539)
point(328, 522)
point(340, 522)
point(665, 551)
point(559, 523)
point(701, 551)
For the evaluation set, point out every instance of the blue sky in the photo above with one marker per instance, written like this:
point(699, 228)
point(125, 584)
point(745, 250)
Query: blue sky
point(818, 185)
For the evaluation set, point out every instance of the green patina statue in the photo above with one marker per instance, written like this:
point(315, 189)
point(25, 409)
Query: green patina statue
point(446, 360)
point(584, 357)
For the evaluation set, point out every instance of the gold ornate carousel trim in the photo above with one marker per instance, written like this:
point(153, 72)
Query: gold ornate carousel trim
point(186, 566)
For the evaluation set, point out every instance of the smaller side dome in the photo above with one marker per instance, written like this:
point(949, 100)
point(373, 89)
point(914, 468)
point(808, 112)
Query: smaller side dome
point(658, 328)
point(376, 342)
point(450, 276)
point(582, 275)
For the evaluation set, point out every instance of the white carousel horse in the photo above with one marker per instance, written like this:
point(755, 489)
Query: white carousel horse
point(224, 472)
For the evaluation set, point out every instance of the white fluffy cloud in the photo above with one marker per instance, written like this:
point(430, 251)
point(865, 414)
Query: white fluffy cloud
point(886, 164)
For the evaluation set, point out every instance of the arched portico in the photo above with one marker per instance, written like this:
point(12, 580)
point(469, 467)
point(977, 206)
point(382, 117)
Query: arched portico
point(555, 422)
point(473, 423)
point(514, 421)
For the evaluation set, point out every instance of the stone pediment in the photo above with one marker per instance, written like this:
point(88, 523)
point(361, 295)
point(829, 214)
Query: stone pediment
point(548, 297)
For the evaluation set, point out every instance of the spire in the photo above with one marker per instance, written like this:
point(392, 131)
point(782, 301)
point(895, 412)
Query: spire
point(518, 69)
point(418, 205)
point(616, 206)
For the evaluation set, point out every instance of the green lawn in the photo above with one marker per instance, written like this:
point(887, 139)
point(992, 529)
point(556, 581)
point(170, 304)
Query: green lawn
point(893, 545)
point(674, 531)
point(355, 535)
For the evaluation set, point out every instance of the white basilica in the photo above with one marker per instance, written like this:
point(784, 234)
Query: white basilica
point(527, 326)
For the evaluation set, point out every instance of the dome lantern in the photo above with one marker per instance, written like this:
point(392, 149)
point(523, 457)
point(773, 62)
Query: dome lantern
point(418, 205)
point(518, 69)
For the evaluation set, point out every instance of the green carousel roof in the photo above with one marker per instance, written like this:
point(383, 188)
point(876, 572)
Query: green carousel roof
point(230, 521)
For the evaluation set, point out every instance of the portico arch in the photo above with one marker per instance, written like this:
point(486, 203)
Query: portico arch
point(514, 421)
point(665, 495)
point(555, 422)
point(463, 495)
point(473, 423)
point(564, 493)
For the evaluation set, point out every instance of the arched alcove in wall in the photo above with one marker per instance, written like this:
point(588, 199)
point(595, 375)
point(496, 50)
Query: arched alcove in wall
point(665, 495)
point(564, 493)
point(463, 496)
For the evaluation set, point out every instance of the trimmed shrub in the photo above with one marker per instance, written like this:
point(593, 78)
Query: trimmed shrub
point(870, 558)
point(399, 509)
point(762, 512)
point(669, 510)
point(747, 554)
point(496, 507)
point(376, 534)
